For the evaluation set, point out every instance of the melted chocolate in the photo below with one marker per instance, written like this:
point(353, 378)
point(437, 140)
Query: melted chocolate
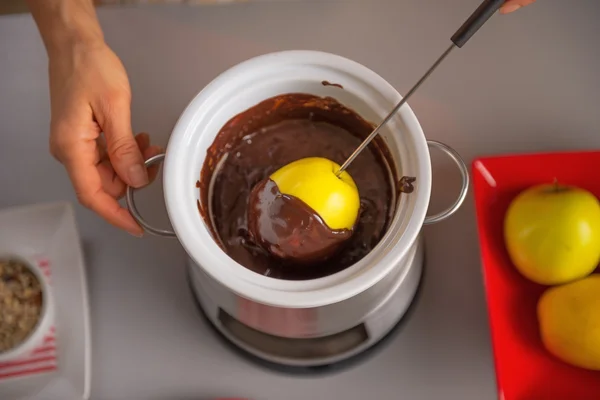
point(272, 134)
point(327, 83)
point(289, 229)
point(405, 184)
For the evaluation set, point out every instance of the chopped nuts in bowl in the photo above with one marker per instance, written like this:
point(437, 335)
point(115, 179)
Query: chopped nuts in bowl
point(25, 307)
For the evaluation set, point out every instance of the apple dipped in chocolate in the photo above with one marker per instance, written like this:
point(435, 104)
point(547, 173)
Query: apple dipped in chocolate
point(303, 212)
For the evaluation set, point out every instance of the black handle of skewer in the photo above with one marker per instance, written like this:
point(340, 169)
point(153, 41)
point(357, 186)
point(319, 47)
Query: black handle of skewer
point(476, 21)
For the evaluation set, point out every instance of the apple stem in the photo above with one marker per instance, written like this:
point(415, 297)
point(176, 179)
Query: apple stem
point(556, 187)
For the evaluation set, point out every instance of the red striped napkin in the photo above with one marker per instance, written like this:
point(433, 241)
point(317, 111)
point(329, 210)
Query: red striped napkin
point(43, 358)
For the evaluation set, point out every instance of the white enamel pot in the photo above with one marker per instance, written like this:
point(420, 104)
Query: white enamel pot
point(247, 84)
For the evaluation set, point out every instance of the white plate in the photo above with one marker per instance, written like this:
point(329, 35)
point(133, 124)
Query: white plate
point(49, 232)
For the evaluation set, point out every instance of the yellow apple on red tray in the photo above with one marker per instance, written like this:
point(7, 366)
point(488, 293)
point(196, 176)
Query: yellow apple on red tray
point(569, 322)
point(552, 233)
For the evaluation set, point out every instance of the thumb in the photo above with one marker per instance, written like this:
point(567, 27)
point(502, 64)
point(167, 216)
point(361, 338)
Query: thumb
point(123, 151)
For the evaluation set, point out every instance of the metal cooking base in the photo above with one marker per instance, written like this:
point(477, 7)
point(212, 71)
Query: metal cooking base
point(320, 369)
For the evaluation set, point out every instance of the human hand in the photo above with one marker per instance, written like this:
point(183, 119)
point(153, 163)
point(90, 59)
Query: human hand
point(91, 130)
point(513, 5)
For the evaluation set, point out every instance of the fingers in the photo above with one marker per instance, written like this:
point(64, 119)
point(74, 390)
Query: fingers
point(98, 171)
point(513, 5)
point(123, 150)
point(76, 147)
point(143, 141)
point(87, 177)
point(111, 183)
point(101, 197)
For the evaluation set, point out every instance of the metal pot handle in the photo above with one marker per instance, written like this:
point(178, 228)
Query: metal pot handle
point(134, 211)
point(432, 219)
point(464, 173)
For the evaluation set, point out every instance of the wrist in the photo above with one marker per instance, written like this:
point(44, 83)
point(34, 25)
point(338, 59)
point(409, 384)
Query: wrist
point(72, 41)
point(66, 25)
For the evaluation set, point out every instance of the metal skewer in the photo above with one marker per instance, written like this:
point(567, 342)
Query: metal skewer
point(462, 35)
point(366, 142)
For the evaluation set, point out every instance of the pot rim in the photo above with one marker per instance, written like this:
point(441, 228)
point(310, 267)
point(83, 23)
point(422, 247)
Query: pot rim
point(198, 242)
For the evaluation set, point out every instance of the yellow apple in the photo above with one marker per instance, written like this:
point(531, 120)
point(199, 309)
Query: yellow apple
point(552, 233)
point(569, 322)
point(313, 180)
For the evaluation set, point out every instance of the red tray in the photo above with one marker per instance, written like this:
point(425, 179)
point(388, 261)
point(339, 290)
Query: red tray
point(524, 369)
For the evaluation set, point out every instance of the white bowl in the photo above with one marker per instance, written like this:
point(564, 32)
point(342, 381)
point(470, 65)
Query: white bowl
point(45, 320)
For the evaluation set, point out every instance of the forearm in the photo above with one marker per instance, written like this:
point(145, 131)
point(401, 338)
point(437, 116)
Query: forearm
point(66, 23)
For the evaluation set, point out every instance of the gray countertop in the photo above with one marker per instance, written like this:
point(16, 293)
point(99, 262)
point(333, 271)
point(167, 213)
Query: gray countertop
point(526, 82)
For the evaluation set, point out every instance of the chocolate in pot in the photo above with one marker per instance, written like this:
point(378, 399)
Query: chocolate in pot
point(272, 134)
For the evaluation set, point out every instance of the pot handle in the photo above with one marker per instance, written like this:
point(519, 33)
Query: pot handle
point(134, 211)
point(432, 219)
point(464, 174)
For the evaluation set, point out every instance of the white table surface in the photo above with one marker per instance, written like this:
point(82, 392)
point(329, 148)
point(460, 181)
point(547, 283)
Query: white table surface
point(526, 82)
